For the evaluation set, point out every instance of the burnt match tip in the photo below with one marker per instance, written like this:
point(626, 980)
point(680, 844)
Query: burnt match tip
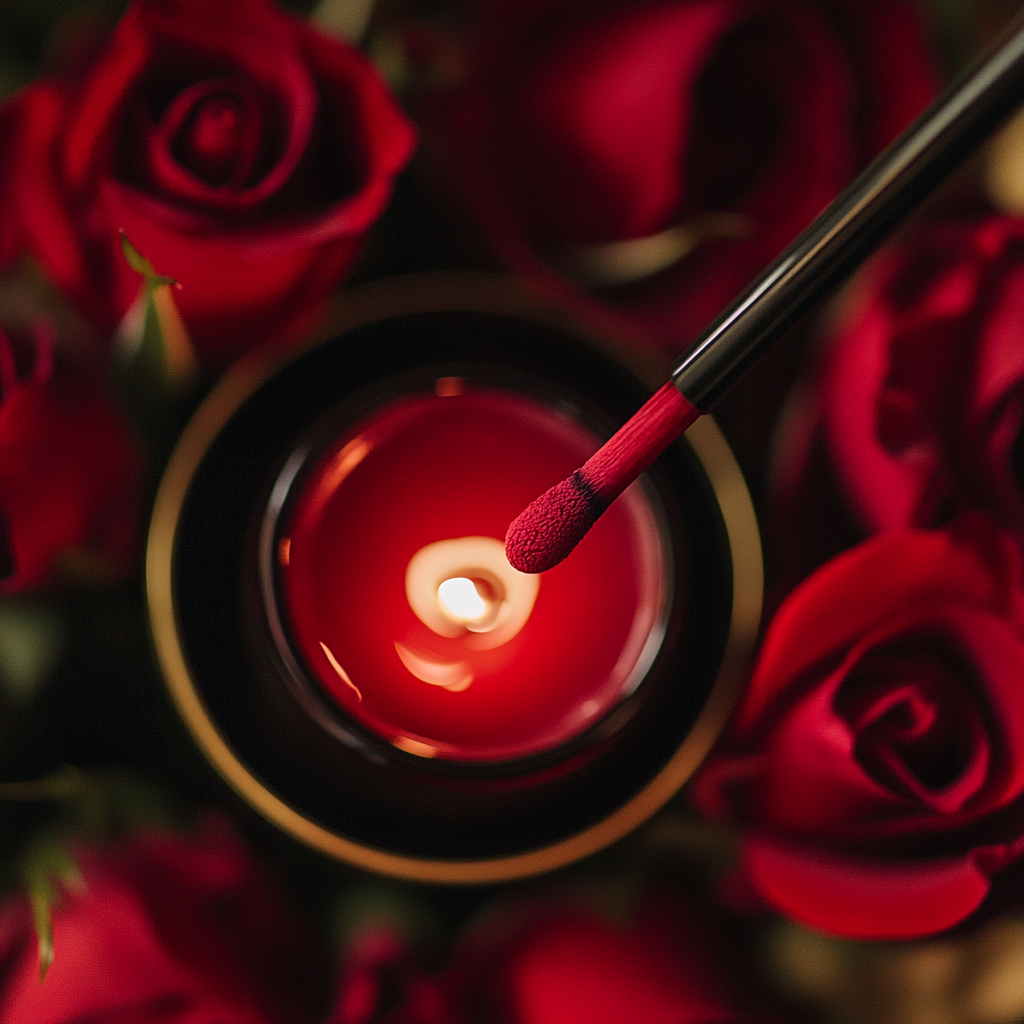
point(544, 533)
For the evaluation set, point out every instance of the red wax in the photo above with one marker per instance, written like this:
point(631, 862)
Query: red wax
point(433, 467)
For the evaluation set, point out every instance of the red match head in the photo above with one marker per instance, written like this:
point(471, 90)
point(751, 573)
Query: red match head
point(544, 533)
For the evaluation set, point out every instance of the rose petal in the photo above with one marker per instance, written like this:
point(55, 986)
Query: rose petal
point(87, 142)
point(863, 898)
point(595, 95)
point(236, 43)
point(69, 478)
point(885, 490)
point(174, 171)
point(164, 929)
point(74, 259)
point(897, 71)
point(842, 601)
point(1000, 357)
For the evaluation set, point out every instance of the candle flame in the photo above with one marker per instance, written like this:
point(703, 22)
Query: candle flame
point(461, 600)
point(464, 587)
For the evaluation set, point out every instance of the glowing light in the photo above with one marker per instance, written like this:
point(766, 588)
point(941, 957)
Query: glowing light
point(460, 599)
point(449, 387)
point(464, 587)
point(417, 747)
point(343, 675)
point(451, 675)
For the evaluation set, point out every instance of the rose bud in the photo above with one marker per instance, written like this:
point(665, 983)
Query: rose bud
point(165, 930)
point(70, 471)
point(645, 160)
point(875, 765)
point(916, 411)
point(244, 152)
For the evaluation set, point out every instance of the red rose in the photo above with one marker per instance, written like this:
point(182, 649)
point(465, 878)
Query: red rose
point(241, 150)
point(662, 152)
point(919, 404)
point(876, 762)
point(164, 930)
point(551, 960)
point(70, 472)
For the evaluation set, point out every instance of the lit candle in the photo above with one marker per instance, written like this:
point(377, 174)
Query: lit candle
point(398, 597)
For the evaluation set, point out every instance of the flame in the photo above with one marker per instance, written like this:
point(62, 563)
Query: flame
point(460, 599)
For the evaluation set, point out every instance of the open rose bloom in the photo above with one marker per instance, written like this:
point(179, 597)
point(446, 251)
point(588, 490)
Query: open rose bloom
point(918, 404)
point(643, 161)
point(244, 152)
point(876, 762)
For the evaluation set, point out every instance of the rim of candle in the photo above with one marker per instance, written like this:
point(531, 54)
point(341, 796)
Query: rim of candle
point(369, 303)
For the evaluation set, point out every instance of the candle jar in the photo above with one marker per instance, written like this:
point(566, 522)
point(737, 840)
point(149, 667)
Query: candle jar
point(342, 634)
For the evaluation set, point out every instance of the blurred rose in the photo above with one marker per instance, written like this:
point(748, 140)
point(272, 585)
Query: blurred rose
point(661, 152)
point(70, 472)
point(550, 960)
point(918, 407)
point(876, 763)
point(242, 151)
point(383, 981)
point(165, 930)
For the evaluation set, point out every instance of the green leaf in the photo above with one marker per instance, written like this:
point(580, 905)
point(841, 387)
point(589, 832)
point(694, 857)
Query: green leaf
point(97, 805)
point(142, 266)
point(46, 867)
point(160, 360)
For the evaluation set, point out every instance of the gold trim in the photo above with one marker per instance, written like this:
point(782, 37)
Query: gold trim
point(422, 293)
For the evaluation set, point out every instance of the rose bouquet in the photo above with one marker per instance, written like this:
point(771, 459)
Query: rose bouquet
point(182, 183)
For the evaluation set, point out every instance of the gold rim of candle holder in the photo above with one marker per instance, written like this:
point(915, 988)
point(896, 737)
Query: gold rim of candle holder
point(422, 293)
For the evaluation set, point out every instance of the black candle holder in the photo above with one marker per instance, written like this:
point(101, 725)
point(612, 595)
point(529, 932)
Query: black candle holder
point(255, 708)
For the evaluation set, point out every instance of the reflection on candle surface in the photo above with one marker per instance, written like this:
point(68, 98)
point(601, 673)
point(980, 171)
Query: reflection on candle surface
point(399, 598)
point(454, 676)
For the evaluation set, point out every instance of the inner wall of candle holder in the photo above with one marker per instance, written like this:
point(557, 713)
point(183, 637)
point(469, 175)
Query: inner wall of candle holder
point(366, 525)
point(345, 789)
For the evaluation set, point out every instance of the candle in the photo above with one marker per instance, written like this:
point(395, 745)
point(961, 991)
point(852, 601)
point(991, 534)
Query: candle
point(397, 595)
point(342, 635)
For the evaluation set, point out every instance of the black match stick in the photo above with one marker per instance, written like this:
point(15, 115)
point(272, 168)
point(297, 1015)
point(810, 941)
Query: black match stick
point(827, 252)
